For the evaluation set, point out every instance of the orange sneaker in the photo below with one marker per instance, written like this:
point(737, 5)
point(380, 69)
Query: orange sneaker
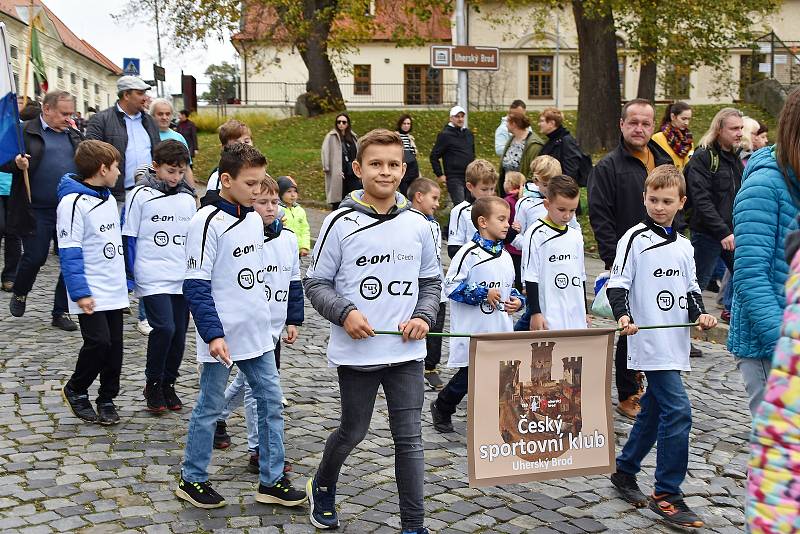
point(629, 407)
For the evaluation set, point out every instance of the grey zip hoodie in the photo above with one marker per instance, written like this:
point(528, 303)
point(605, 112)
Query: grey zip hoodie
point(335, 307)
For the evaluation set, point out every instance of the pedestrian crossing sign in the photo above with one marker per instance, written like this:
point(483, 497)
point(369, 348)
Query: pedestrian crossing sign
point(130, 66)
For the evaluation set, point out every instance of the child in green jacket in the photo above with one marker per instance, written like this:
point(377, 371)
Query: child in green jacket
point(295, 219)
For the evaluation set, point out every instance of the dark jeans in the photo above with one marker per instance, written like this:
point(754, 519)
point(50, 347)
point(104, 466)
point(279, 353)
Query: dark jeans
point(523, 324)
point(168, 315)
point(454, 392)
point(433, 344)
point(101, 354)
point(516, 259)
point(627, 381)
point(405, 392)
point(706, 252)
point(278, 353)
point(666, 418)
point(457, 189)
point(13, 246)
point(35, 249)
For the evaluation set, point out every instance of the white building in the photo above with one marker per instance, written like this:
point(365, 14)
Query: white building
point(538, 65)
point(71, 63)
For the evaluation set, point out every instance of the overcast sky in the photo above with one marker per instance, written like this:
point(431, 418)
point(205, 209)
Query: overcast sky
point(91, 20)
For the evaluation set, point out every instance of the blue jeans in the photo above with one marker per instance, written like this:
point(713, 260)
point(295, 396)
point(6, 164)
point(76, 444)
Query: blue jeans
point(404, 387)
point(666, 418)
point(237, 392)
point(169, 318)
point(523, 324)
point(453, 393)
point(35, 249)
point(263, 378)
point(707, 251)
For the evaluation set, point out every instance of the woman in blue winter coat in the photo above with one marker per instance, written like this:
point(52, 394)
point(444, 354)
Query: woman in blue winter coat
point(764, 212)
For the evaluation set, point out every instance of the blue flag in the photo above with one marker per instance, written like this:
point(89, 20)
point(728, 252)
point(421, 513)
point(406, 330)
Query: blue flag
point(10, 135)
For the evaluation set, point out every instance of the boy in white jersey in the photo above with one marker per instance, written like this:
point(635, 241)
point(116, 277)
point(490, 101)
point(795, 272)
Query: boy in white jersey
point(653, 282)
point(90, 253)
point(224, 269)
point(232, 131)
point(530, 207)
point(480, 282)
point(553, 263)
point(285, 296)
point(424, 194)
point(481, 179)
point(158, 211)
point(375, 267)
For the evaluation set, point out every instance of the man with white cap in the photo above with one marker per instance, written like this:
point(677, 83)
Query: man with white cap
point(455, 146)
point(128, 127)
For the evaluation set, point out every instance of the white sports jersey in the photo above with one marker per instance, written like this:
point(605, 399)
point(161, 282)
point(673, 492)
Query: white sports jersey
point(474, 265)
point(92, 224)
point(282, 265)
point(375, 261)
point(213, 181)
point(658, 271)
point(159, 223)
point(227, 251)
point(436, 229)
point(461, 228)
point(553, 258)
point(528, 211)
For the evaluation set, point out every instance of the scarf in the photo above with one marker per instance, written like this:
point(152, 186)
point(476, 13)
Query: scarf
point(489, 245)
point(680, 141)
point(146, 175)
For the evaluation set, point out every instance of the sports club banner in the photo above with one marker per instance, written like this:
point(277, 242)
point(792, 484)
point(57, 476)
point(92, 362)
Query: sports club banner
point(539, 406)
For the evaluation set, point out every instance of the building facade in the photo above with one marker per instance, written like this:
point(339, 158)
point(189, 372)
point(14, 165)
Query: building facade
point(538, 63)
point(71, 63)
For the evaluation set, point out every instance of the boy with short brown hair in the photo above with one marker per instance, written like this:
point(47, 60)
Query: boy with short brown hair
point(481, 177)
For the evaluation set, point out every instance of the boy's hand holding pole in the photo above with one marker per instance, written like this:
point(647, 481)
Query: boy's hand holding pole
point(414, 329)
point(86, 304)
point(627, 328)
point(493, 297)
point(357, 326)
point(512, 305)
point(706, 321)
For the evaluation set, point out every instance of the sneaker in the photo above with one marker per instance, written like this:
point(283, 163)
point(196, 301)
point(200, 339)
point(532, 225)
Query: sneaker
point(713, 286)
point(64, 323)
point(144, 327)
point(8, 287)
point(79, 405)
point(221, 438)
point(673, 509)
point(154, 395)
point(200, 494)
point(17, 305)
point(441, 422)
point(629, 407)
point(252, 464)
point(284, 402)
point(629, 489)
point(322, 505)
point(694, 352)
point(421, 530)
point(282, 493)
point(171, 399)
point(107, 413)
point(433, 379)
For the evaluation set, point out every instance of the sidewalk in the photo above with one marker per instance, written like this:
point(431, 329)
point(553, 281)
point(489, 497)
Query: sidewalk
point(594, 266)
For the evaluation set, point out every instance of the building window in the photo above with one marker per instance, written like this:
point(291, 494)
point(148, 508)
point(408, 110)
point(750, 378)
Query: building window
point(60, 73)
point(73, 78)
point(14, 52)
point(362, 76)
point(621, 63)
point(748, 71)
point(85, 83)
point(676, 82)
point(96, 89)
point(422, 85)
point(540, 77)
point(16, 81)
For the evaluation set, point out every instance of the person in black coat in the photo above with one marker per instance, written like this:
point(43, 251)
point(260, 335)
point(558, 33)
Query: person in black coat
point(455, 145)
point(560, 143)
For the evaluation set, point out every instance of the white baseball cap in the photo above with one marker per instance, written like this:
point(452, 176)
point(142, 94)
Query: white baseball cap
point(455, 110)
point(127, 83)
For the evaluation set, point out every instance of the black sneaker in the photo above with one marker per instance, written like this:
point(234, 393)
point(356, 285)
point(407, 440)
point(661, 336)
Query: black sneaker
point(673, 509)
point(694, 352)
point(200, 494)
point(629, 489)
point(154, 395)
point(282, 493)
point(171, 399)
point(79, 405)
point(433, 379)
point(107, 413)
point(322, 505)
point(64, 323)
point(17, 305)
point(221, 438)
point(441, 422)
point(252, 464)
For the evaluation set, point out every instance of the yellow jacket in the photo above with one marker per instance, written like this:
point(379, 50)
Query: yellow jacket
point(661, 140)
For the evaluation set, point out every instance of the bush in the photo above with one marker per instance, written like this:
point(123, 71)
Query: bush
point(208, 121)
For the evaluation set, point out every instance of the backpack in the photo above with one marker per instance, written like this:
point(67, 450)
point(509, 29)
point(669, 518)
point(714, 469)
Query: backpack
point(713, 167)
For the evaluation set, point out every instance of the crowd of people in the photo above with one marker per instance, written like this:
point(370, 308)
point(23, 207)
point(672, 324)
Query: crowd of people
point(121, 204)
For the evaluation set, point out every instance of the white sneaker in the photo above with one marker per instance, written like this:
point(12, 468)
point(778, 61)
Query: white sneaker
point(284, 402)
point(144, 327)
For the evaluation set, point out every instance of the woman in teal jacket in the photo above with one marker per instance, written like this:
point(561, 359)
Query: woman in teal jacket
point(764, 212)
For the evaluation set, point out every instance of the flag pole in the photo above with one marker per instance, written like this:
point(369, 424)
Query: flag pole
point(17, 127)
point(27, 71)
point(453, 334)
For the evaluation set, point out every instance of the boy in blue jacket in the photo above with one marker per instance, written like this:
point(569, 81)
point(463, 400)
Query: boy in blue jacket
point(90, 252)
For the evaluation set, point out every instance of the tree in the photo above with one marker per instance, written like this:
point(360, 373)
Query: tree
point(222, 85)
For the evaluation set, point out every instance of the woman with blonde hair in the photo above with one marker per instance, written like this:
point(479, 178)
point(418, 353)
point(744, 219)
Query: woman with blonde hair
point(754, 137)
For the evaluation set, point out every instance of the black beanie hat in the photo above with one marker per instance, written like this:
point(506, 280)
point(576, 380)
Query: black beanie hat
point(285, 183)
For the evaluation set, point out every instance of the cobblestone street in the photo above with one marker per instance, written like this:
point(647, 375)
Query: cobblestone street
point(57, 474)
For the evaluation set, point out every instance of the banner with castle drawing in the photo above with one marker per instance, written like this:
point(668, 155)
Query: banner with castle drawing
point(539, 406)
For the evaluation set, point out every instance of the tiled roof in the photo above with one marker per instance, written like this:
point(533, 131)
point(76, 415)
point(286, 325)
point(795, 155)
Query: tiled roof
point(70, 40)
point(388, 15)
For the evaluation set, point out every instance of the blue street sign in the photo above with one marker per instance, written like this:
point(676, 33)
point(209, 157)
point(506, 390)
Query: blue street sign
point(130, 66)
